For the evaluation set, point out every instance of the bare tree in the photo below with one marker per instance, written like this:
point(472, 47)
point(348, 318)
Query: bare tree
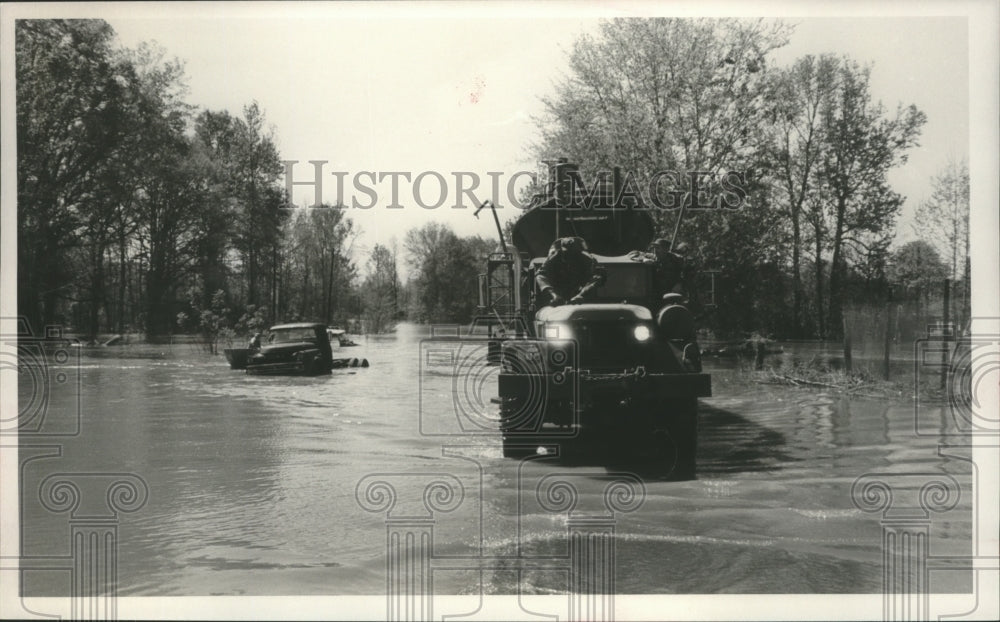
point(943, 219)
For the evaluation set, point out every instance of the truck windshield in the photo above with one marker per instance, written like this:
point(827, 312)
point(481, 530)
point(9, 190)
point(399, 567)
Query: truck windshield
point(625, 281)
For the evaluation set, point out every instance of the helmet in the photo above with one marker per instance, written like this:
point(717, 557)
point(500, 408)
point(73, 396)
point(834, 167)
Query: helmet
point(660, 243)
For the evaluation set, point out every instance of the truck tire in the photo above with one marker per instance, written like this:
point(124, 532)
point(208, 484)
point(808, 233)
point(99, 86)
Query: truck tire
point(521, 426)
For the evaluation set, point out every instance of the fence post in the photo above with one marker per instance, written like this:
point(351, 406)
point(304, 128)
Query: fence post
point(888, 333)
point(848, 366)
point(945, 334)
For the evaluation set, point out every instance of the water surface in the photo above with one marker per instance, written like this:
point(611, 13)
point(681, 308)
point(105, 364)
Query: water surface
point(252, 481)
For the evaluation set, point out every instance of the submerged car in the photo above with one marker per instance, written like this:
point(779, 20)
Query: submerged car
point(301, 348)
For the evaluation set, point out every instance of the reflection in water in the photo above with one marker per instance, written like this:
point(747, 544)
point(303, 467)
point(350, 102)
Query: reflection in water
point(252, 482)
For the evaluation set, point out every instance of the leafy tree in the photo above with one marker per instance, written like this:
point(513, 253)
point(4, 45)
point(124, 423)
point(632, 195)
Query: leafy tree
point(800, 91)
point(122, 209)
point(318, 273)
point(102, 165)
point(689, 96)
point(916, 269)
point(650, 94)
point(211, 321)
point(861, 145)
point(379, 291)
point(248, 169)
point(72, 106)
point(444, 286)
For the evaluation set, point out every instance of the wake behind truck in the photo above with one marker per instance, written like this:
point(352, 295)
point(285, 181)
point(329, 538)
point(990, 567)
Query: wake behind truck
point(617, 375)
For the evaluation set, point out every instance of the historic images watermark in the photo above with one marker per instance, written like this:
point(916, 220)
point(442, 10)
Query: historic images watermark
point(966, 367)
point(412, 505)
point(457, 367)
point(664, 190)
point(466, 356)
point(46, 364)
point(45, 367)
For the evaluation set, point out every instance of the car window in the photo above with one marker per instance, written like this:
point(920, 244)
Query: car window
point(290, 335)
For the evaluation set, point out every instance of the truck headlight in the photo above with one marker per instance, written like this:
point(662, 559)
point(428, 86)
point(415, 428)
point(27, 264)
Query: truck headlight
point(558, 332)
point(642, 333)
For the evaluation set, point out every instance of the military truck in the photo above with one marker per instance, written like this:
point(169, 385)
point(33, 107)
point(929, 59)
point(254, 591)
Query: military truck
point(617, 375)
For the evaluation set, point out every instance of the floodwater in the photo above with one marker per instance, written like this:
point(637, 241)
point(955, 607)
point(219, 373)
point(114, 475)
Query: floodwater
point(254, 482)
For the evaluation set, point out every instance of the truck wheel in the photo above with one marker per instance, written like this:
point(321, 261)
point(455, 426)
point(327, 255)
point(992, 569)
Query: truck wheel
point(517, 445)
point(520, 427)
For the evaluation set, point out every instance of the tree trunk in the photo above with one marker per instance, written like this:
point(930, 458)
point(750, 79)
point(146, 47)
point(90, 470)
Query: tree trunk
point(274, 279)
point(836, 277)
point(252, 277)
point(819, 289)
point(28, 298)
point(329, 295)
point(305, 288)
point(796, 277)
point(122, 276)
point(96, 286)
point(888, 334)
point(848, 358)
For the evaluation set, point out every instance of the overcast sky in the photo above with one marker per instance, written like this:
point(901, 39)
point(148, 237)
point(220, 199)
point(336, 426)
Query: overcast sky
point(396, 88)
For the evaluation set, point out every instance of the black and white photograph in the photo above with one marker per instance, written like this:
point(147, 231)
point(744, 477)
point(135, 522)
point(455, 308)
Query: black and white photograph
point(500, 311)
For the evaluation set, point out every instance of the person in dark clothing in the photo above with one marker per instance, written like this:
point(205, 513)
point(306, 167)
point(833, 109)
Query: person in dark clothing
point(569, 273)
point(671, 268)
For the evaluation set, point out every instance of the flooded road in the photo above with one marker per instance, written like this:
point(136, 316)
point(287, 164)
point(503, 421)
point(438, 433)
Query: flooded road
point(254, 482)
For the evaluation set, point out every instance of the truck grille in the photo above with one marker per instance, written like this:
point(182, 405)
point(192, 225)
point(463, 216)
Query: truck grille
point(609, 346)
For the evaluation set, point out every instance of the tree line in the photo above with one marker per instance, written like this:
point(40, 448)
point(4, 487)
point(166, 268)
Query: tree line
point(140, 212)
point(136, 211)
point(133, 206)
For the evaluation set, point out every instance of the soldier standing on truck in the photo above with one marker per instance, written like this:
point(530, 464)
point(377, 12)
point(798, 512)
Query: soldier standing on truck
point(569, 273)
point(671, 268)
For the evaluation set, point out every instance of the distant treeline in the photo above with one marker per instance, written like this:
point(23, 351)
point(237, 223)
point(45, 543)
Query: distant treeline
point(139, 212)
